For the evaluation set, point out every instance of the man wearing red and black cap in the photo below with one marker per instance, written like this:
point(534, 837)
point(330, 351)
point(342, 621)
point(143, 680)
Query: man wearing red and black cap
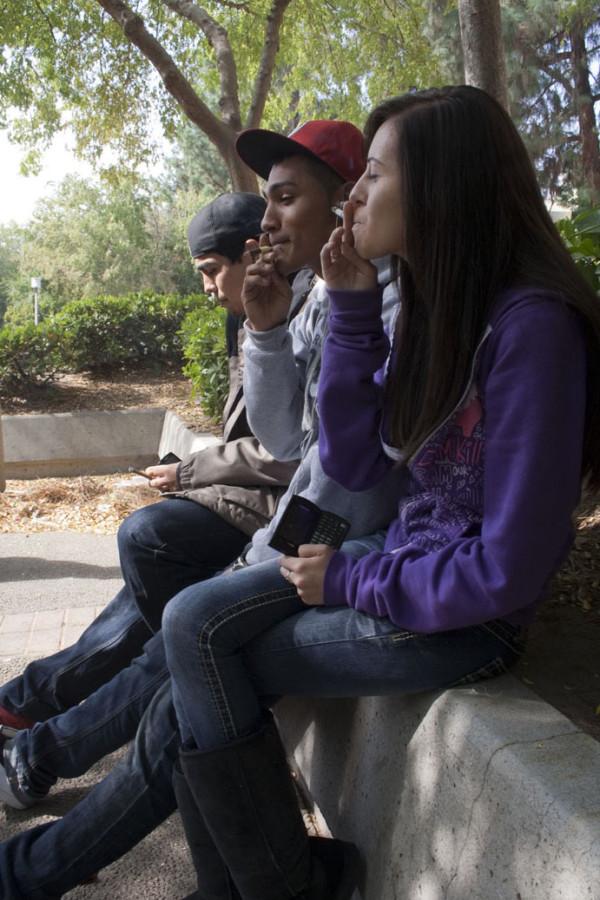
point(308, 174)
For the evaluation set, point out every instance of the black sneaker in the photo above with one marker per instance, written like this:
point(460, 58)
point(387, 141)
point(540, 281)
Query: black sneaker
point(10, 792)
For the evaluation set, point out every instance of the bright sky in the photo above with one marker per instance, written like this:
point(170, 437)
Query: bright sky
point(19, 194)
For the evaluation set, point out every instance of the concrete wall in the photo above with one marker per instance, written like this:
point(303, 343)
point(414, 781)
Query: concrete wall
point(483, 793)
point(80, 443)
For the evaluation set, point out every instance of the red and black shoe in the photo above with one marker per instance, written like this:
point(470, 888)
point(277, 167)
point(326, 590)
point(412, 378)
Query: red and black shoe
point(11, 720)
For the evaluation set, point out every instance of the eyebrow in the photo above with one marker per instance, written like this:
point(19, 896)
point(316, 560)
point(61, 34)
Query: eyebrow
point(277, 186)
point(373, 159)
point(206, 264)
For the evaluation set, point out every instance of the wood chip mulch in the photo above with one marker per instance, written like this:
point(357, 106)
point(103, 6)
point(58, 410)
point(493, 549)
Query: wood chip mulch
point(90, 503)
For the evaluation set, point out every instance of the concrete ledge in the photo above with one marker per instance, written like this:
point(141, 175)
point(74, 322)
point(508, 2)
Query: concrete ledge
point(80, 443)
point(483, 793)
point(177, 438)
point(92, 443)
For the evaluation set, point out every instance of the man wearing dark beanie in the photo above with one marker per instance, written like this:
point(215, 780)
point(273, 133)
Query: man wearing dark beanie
point(233, 487)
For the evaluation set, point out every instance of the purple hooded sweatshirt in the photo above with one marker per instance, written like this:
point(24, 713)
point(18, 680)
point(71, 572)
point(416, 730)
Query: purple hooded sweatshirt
point(489, 516)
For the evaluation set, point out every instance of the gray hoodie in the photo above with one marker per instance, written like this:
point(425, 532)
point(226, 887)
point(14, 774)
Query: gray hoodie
point(281, 374)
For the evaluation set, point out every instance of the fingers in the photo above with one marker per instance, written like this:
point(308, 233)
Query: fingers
point(331, 251)
point(306, 551)
point(251, 251)
point(348, 237)
point(306, 575)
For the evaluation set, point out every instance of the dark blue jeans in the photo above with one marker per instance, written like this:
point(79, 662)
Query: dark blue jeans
point(49, 860)
point(233, 641)
point(163, 548)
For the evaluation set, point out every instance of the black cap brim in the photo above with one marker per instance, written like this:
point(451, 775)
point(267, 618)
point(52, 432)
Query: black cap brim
point(260, 149)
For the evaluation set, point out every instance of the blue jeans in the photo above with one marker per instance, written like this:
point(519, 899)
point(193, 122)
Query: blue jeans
point(233, 641)
point(299, 655)
point(49, 860)
point(162, 547)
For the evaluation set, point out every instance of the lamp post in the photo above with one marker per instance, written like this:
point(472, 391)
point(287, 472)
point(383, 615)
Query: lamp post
point(36, 289)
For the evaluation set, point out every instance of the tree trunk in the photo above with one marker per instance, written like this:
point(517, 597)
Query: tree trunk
point(220, 133)
point(588, 132)
point(483, 53)
point(242, 178)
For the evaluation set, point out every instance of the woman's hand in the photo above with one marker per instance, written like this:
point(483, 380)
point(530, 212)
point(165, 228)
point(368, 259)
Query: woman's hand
point(343, 269)
point(307, 571)
point(266, 294)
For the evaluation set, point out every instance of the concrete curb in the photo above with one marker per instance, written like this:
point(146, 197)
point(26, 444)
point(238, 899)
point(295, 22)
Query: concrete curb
point(92, 443)
point(80, 443)
point(177, 438)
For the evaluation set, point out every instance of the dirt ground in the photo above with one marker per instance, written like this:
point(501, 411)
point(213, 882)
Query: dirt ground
point(562, 662)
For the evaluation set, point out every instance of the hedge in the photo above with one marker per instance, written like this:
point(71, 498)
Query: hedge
point(104, 334)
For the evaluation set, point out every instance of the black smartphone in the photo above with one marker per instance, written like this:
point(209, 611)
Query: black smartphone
point(304, 523)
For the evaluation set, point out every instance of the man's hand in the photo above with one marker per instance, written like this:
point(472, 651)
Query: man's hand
point(307, 571)
point(266, 294)
point(343, 269)
point(163, 477)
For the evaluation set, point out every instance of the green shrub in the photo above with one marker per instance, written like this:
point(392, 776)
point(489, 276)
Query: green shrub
point(581, 234)
point(106, 333)
point(29, 355)
point(203, 336)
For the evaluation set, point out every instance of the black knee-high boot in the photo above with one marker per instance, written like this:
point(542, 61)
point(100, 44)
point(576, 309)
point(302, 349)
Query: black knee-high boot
point(214, 882)
point(247, 799)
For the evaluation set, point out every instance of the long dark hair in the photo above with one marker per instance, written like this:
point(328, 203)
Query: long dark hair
point(475, 223)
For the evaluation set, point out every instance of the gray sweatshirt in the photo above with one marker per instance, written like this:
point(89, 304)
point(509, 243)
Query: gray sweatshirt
point(281, 374)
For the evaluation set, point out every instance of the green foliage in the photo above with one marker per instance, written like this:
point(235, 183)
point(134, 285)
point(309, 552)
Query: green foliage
point(205, 353)
point(29, 355)
point(71, 62)
point(89, 239)
point(106, 333)
point(10, 256)
point(581, 234)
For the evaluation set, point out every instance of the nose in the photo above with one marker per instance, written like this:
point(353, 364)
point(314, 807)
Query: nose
point(269, 220)
point(209, 285)
point(357, 194)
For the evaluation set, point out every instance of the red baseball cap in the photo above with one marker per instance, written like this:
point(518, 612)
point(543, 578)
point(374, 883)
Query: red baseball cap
point(338, 144)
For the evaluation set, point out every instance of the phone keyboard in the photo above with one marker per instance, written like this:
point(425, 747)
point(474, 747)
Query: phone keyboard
point(331, 530)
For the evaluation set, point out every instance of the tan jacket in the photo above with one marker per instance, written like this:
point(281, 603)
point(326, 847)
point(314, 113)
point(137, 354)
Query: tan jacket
point(237, 479)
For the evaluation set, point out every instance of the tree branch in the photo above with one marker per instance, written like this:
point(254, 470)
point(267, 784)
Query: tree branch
point(264, 76)
point(231, 4)
point(45, 15)
point(546, 66)
point(175, 82)
point(217, 37)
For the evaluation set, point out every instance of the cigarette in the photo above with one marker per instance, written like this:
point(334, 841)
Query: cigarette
point(138, 472)
point(338, 210)
point(260, 251)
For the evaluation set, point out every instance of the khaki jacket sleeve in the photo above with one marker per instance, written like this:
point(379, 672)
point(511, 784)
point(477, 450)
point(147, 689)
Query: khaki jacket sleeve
point(243, 462)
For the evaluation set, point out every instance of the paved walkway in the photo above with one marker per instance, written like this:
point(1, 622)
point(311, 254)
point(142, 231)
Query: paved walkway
point(44, 632)
point(51, 586)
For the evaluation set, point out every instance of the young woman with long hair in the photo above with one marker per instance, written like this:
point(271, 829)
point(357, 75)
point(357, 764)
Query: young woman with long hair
point(486, 408)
